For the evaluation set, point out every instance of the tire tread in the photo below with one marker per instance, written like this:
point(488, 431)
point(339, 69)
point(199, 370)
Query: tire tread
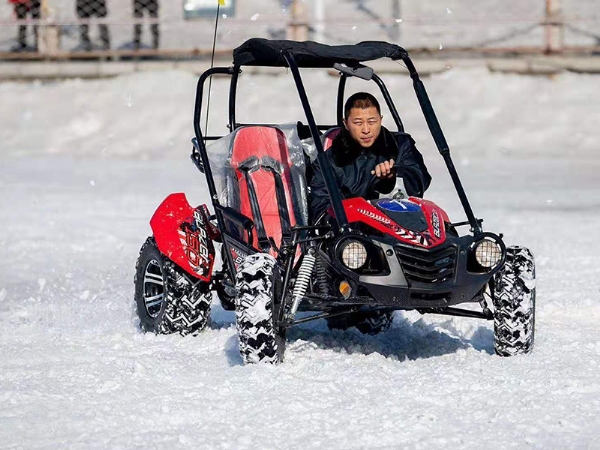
point(514, 303)
point(187, 301)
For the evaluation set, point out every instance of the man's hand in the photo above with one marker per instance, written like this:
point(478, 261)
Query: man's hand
point(384, 169)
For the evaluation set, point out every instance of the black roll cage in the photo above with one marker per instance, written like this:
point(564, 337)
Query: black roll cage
point(200, 156)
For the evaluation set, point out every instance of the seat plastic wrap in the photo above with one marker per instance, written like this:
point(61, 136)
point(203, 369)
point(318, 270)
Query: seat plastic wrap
point(250, 152)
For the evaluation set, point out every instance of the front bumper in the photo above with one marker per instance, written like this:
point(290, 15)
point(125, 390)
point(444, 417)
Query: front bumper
point(423, 278)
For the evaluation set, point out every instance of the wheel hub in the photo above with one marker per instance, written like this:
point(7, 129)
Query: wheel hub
point(154, 288)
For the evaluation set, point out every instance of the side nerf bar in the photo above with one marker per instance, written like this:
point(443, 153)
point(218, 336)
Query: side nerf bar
point(238, 218)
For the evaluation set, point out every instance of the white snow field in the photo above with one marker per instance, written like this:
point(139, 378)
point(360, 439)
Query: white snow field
point(83, 165)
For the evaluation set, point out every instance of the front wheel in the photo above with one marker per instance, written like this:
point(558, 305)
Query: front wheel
point(259, 338)
point(168, 300)
point(513, 294)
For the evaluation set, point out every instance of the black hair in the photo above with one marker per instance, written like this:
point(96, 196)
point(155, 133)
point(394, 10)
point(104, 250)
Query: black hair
point(361, 100)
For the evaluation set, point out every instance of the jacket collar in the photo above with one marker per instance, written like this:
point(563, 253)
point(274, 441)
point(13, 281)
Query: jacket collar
point(345, 149)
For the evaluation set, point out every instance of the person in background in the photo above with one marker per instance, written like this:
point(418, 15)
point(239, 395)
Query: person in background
point(85, 10)
point(22, 7)
point(139, 6)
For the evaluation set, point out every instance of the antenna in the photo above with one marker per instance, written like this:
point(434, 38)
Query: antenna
point(212, 62)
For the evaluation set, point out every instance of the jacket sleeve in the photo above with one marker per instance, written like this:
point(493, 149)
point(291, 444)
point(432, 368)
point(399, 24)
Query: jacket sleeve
point(413, 170)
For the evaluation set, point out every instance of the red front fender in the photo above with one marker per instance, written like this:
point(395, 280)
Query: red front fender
point(181, 234)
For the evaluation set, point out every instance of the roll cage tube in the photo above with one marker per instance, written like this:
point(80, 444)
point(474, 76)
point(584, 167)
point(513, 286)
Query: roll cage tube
point(232, 97)
point(332, 188)
point(335, 196)
point(220, 211)
point(340, 100)
point(202, 140)
point(384, 91)
point(440, 142)
point(389, 101)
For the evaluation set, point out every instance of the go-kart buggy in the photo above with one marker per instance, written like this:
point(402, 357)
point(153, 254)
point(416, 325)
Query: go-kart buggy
point(354, 265)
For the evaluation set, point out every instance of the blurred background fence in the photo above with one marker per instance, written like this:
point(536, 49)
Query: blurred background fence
point(63, 29)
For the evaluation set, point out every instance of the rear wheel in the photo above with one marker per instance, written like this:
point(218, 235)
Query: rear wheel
point(370, 323)
point(168, 300)
point(224, 293)
point(375, 323)
point(513, 294)
point(259, 338)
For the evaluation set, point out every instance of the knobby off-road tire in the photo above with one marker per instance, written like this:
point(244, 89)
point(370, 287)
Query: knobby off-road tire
point(367, 323)
point(168, 299)
point(255, 310)
point(514, 303)
point(227, 301)
point(375, 323)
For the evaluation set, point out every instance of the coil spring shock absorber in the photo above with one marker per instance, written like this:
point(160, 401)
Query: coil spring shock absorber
point(302, 280)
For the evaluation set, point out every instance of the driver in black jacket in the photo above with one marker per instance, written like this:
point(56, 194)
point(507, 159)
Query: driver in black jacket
point(364, 149)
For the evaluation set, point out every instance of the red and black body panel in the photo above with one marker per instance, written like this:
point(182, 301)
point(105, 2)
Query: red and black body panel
point(387, 216)
point(418, 263)
point(185, 235)
point(414, 251)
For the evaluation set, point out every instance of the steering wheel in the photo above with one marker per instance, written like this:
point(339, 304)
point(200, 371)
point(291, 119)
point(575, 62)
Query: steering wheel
point(374, 177)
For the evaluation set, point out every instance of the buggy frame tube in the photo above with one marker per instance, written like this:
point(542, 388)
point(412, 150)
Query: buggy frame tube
point(440, 142)
point(384, 91)
point(389, 101)
point(289, 267)
point(340, 100)
point(457, 312)
point(275, 125)
point(201, 144)
point(335, 196)
point(232, 96)
point(204, 155)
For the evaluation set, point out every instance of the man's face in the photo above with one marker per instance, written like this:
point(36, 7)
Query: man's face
point(364, 125)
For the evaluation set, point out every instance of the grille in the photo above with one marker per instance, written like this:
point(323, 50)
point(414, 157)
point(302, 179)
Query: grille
point(427, 266)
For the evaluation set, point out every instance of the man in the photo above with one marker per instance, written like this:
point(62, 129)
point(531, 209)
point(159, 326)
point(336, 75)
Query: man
point(138, 12)
point(365, 149)
point(85, 10)
point(22, 7)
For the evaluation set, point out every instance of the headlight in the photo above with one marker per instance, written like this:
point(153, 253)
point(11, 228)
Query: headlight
point(354, 255)
point(488, 253)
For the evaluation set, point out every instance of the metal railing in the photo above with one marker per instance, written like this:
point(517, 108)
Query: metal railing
point(65, 29)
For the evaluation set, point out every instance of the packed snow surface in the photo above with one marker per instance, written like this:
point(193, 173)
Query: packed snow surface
point(83, 165)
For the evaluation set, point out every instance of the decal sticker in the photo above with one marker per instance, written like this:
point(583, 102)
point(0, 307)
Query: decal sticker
point(435, 221)
point(202, 217)
point(415, 238)
point(195, 246)
point(238, 257)
point(199, 219)
point(411, 236)
point(398, 205)
point(377, 217)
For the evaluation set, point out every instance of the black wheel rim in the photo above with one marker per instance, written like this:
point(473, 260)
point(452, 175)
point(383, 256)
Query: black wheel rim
point(154, 288)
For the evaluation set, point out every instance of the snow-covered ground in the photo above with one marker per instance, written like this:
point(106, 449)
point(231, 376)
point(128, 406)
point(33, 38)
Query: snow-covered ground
point(83, 165)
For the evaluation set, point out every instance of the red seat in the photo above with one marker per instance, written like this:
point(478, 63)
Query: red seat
point(252, 149)
point(329, 136)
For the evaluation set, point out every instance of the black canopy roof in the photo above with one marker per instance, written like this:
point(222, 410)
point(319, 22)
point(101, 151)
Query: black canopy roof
point(265, 52)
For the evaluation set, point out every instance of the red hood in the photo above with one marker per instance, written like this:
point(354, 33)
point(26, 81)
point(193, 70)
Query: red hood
point(360, 210)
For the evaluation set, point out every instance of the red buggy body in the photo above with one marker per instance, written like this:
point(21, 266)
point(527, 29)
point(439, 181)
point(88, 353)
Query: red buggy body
point(353, 266)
